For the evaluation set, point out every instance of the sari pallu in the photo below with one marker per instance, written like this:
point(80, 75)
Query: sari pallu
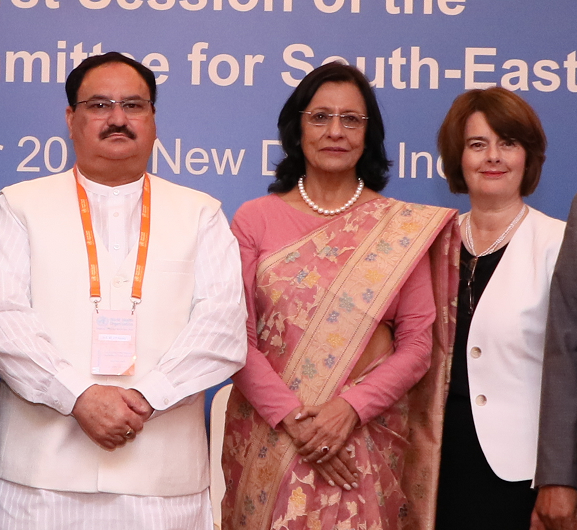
point(319, 300)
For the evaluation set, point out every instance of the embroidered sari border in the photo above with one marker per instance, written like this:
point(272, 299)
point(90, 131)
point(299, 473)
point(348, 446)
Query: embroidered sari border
point(427, 224)
point(393, 275)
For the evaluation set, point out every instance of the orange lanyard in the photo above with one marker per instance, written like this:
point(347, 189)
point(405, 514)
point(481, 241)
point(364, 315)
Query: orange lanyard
point(91, 242)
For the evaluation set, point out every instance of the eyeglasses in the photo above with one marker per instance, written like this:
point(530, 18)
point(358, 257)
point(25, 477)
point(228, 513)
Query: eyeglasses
point(349, 120)
point(469, 277)
point(103, 107)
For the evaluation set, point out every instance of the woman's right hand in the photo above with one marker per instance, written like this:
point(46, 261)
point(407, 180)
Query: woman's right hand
point(340, 470)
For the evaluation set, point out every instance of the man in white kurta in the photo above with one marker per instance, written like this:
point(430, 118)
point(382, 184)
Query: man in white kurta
point(79, 449)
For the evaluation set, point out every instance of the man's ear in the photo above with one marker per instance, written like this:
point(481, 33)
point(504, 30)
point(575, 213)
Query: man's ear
point(69, 119)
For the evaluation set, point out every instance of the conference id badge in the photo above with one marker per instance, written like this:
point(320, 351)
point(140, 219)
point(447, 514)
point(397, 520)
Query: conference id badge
point(113, 342)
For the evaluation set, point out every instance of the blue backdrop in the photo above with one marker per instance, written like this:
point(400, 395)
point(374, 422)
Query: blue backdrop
point(225, 67)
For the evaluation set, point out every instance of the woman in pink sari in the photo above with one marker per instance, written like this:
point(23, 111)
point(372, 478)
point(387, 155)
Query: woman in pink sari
point(350, 305)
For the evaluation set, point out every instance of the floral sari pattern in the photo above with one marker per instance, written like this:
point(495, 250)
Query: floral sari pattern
point(319, 300)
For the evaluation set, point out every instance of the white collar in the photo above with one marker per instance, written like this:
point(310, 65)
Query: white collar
point(110, 191)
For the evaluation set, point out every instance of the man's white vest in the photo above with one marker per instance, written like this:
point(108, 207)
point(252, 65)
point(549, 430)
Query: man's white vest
point(39, 446)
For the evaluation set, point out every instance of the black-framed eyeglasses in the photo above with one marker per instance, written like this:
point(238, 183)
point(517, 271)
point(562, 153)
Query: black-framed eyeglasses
point(349, 120)
point(469, 277)
point(103, 107)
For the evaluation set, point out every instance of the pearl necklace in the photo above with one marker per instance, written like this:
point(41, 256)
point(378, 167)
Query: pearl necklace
point(493, 247)
point(322, 211)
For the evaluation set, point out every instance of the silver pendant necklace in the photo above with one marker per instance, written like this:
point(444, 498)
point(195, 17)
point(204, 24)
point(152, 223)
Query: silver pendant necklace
point(497, 242)
point(318, 209)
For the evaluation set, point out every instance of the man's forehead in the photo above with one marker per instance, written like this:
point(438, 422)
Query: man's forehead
point(114, 77)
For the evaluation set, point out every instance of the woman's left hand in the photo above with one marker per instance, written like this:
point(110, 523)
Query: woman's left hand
point(331, 427)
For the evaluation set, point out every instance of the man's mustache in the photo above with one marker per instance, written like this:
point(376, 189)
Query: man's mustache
point(117, 129)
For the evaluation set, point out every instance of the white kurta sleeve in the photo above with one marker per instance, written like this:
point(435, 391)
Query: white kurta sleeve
point(29, 362)
point(213, 344)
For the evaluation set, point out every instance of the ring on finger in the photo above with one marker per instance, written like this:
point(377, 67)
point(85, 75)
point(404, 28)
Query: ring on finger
point(325, 449)
point(130, 434)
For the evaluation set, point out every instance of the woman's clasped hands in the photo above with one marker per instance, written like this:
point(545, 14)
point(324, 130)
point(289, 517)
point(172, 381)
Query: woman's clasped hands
point(320, 434)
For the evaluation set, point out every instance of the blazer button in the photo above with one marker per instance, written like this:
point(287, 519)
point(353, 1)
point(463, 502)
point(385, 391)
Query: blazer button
point(475, 352)
point(481, 400)
point(118, 281)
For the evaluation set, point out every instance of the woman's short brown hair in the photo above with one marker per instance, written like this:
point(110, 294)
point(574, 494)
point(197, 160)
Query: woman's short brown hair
point(510, 116)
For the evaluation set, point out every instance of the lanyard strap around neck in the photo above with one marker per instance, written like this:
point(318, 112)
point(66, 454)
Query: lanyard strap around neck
point(143, 241)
